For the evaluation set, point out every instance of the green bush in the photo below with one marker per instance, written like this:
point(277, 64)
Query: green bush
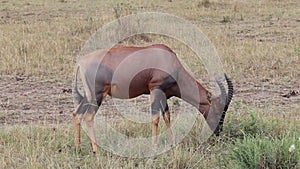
point(252, 125)
point(262, 152)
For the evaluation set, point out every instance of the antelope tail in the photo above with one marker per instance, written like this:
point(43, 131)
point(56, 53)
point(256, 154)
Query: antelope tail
point(77, 96)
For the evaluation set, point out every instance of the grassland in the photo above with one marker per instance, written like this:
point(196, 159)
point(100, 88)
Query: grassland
point(259, 45)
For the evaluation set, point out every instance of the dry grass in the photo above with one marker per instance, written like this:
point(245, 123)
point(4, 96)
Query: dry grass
point(257, 39)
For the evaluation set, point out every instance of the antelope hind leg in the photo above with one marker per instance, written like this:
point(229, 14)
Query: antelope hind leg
point(89, 120)
point(77, 120)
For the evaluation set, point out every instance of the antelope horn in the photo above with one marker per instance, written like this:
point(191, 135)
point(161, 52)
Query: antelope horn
point(228, 100)
point(230, 92)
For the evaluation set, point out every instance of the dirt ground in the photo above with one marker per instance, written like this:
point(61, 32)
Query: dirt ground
point(25, 100)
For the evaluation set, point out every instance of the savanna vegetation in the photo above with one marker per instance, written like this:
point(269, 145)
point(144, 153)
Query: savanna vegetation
point(258, 43)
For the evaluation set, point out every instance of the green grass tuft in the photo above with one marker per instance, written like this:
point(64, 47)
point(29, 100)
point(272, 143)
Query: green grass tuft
point(262, 152)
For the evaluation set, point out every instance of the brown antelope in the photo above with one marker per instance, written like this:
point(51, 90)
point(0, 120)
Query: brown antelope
point(100, 77)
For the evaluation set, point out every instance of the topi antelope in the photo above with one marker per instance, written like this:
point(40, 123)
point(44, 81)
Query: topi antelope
point(128, 72)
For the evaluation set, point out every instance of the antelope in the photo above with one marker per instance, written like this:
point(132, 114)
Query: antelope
point(101, 75)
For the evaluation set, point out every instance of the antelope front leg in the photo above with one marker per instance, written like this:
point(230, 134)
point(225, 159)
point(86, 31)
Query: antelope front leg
point(167, 120)
point(158, 104)
point(155, 108)
point(155, 121)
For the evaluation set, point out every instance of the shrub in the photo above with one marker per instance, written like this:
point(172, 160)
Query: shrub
point(264, 152)
point(252, 125)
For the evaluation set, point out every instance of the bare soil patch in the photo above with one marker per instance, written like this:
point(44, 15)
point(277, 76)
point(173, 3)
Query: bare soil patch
point(267, 94)
point(26, 100)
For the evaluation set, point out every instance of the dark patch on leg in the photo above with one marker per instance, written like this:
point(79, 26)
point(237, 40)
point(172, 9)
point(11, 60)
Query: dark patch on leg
point(99, 98)
point(159, 102)
point(166, 109)
point(170, 87)
point(82, 107)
